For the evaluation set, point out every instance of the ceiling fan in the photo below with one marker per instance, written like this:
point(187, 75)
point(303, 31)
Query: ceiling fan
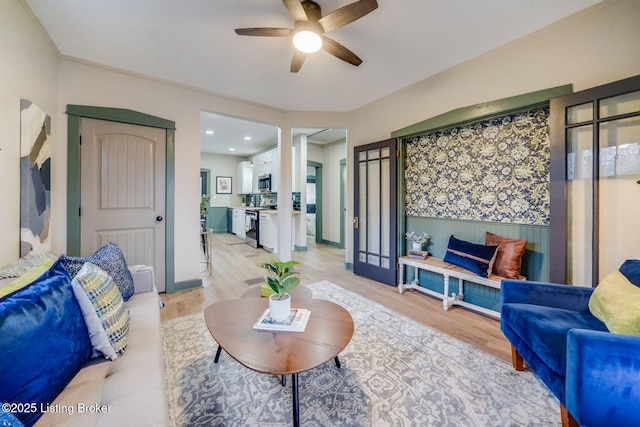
point(310, 26)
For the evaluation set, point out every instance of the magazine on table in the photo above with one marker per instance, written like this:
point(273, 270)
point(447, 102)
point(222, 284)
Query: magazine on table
point(296, 322)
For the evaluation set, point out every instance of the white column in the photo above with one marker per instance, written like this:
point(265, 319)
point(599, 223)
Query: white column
point(285, 204)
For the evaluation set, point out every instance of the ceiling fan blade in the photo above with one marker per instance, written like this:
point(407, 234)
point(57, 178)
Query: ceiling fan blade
point(295, 9)
point(347, 14)
point(339, 51)
point(264, 32)
point(297, 60)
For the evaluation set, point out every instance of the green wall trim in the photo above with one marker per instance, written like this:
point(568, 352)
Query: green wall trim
point(121, 115)
point(348, 266)
point(75, 113)
point(217, 219)
point(187, 284)
point(300, 248)
point(331, 243)
point(484, 111)
point(73, 185)
point(170, 218)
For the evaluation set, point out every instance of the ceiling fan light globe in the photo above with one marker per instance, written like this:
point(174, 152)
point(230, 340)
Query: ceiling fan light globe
point(307, 41)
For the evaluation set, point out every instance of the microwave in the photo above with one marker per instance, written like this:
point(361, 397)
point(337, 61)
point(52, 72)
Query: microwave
point(264, 183)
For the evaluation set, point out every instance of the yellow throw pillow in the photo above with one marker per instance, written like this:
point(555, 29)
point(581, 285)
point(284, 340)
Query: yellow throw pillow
point(616, 302)
point(27, 278)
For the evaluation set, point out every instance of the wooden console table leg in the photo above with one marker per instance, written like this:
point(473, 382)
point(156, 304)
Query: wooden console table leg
point(401, 278)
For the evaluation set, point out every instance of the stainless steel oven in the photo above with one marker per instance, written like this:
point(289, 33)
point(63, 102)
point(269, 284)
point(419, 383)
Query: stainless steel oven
point(253, 224)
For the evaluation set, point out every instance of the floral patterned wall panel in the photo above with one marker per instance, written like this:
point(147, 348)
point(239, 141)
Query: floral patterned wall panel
point(495, 170)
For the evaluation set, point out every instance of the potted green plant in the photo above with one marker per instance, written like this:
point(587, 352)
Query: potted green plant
point(281, 279)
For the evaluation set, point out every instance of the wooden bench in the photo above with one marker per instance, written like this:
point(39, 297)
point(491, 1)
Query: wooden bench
point(437, 265)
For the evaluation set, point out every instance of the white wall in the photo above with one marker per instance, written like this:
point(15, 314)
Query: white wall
point(221, 165)
point(29, 70)
point(591, 48)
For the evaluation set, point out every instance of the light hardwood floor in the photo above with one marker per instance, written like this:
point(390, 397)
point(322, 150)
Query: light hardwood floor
point(235, 264)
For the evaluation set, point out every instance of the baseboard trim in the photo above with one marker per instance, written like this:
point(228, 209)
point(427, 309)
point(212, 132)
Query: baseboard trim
point(186, 284)
point(332, 243)
point(348, 266)
point(300, 248)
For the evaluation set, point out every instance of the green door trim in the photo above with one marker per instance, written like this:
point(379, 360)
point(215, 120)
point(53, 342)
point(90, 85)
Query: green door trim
point(343, 185)
point(75, 114)
point(318, 166)
point(484, 111)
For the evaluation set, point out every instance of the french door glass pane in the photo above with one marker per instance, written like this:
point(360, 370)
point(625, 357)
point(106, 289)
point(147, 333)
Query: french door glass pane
point(619, 193)
point(385, 201)
point(373, 228)
point(580, 113)
point(579, 204)
point(362, 215)
point(622, 104)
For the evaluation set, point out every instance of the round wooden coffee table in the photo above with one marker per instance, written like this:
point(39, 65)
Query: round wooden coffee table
point(328, 332)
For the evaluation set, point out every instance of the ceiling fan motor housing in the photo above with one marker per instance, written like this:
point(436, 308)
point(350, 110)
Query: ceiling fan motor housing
point(312, 9)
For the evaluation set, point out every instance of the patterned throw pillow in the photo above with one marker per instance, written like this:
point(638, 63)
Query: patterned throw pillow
point(21, 266)
point(104, 311)
point(109, 258)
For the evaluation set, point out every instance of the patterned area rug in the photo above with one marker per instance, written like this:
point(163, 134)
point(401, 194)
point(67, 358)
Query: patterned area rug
point(395, 372)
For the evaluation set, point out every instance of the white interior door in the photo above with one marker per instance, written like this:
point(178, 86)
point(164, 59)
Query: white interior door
point(123, 192)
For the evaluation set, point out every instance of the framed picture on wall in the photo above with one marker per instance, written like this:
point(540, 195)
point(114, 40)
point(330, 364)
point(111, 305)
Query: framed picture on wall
point(223, 184)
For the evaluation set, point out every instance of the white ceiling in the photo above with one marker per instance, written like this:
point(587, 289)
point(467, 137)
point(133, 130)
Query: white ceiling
point(193, 43)
point(230, 135)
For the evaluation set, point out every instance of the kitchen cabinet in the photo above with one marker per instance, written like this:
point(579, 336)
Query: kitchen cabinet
point(263, 165)
point(266, 232)
point(244, 178)
point(269, 231)
point(238, 223)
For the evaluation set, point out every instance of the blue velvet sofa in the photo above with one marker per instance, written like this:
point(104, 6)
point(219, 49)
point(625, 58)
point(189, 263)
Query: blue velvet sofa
point(594, 373)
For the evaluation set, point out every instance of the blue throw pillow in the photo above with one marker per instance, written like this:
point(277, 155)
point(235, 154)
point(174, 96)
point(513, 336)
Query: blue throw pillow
point(631, 270)
point(109, 258)
point(43, 341)
point(473, 257)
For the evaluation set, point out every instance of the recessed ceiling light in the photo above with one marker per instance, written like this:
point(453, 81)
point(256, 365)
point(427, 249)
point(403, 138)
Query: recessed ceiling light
point(247, 138)
point(232, 149)
point(209, 132)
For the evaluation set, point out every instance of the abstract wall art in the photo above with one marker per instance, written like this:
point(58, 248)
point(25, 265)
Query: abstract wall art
point(35, 179)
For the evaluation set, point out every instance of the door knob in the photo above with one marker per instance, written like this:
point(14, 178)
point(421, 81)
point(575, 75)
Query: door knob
point(159, 218)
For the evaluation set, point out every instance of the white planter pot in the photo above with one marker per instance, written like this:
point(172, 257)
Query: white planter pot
point(279, 309)
point(416, 246)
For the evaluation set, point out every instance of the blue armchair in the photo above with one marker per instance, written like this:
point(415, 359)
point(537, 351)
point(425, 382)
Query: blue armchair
point(595, 374)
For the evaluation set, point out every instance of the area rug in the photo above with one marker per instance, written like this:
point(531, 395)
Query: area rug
point(228, 239)
point(395, 372)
